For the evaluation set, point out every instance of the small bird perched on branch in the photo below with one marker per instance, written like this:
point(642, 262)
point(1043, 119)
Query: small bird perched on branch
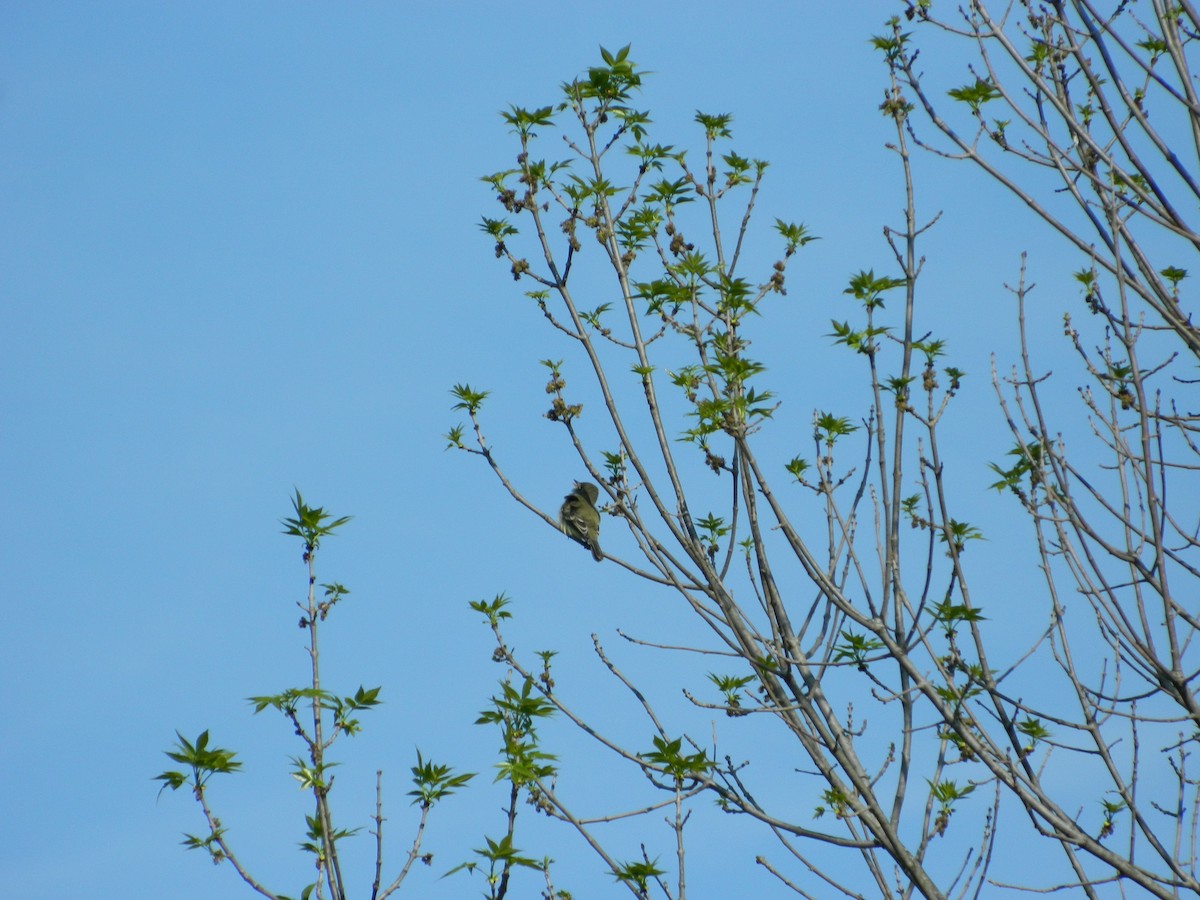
point(580, 520)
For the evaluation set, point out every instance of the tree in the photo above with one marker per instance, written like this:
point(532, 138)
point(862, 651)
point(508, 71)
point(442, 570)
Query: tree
point(836, 587)
point(318, 717)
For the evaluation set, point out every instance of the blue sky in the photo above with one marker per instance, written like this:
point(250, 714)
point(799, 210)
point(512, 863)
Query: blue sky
point(239, 253)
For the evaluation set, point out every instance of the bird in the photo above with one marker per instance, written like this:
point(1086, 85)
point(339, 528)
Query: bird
point(580, 520)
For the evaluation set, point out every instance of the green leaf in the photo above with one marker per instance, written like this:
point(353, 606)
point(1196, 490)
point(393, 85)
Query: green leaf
point(494, 610)
point(959, 533)
point(975, 95)
point(855, 648)
point(797, 467)
point(433, 781)
point(524, 121)
point(468, 399)
point(669, 756)
point(203, 762)
point(795, 235)
point(497, 228)
point(639, 874)
point(830, 427)
point(867, 288)
point(891, 46)
point(311, 523)
point(1173, 274)
point(715, 126)
point(1033, 728)
point(1154, 46)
